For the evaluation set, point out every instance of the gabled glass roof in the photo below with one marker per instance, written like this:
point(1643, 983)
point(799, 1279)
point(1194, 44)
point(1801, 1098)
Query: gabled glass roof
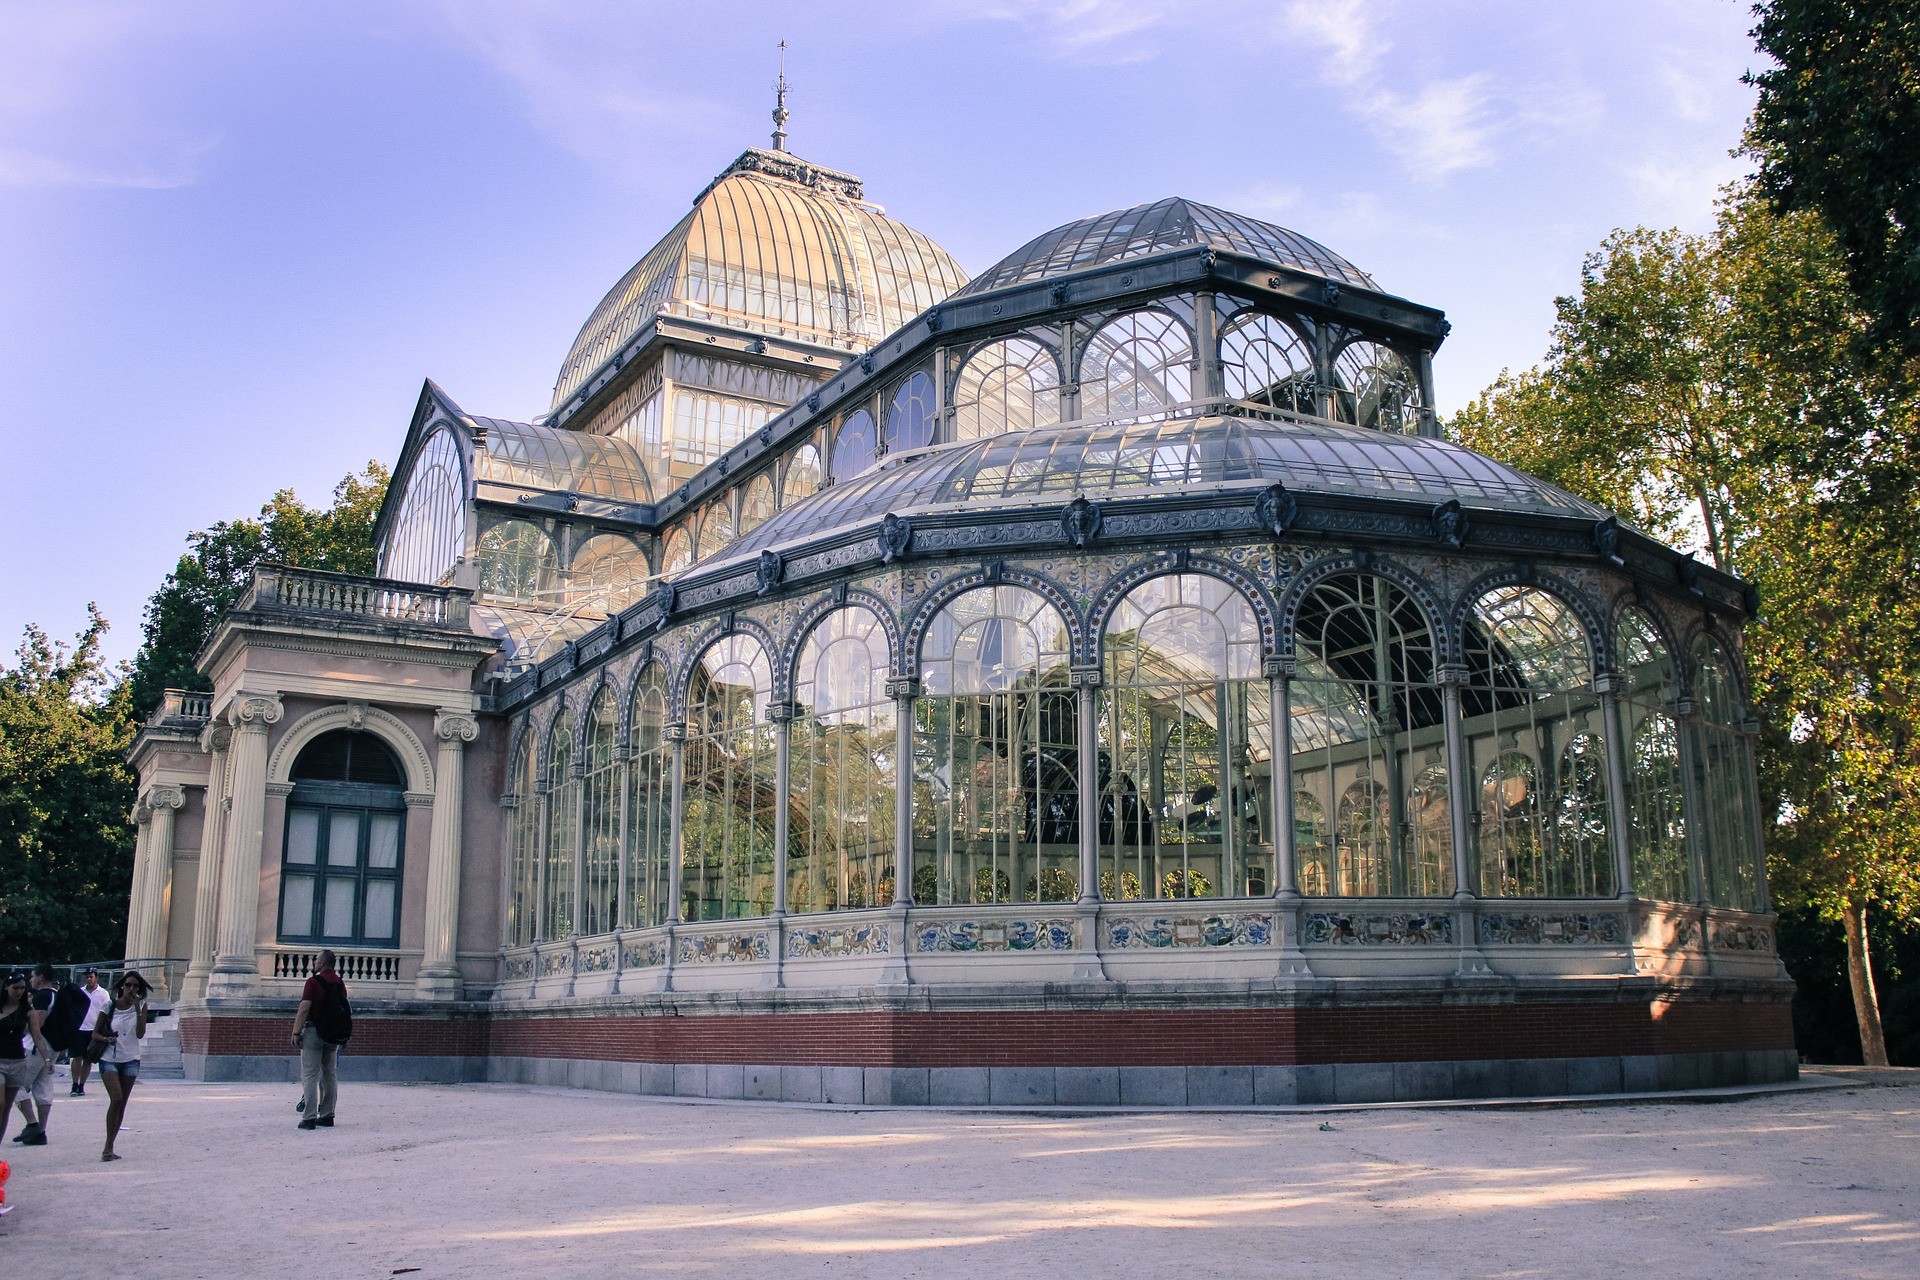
point(1160, 227)
point(559, 461)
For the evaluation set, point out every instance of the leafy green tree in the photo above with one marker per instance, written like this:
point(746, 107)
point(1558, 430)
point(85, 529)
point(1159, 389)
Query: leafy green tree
point(66, 838)
point(219, 563)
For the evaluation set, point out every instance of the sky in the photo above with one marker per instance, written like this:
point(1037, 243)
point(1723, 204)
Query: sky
point(236, 236)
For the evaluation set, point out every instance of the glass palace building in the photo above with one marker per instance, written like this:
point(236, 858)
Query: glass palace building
point(1095, 681)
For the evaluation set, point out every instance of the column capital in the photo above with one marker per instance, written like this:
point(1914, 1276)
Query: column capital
point(1451, 674)
point(1608, 684)
point(673, 732)
point(782, 712)
point(1084, 677)
point(142, 812)
point(452, 725)
point(163, 796)
point(215, 737)
point(1279, 666)
point(254, 710)
point(903, 688)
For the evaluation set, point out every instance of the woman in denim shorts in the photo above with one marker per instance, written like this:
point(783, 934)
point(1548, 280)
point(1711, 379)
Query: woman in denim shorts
point(125, 1022)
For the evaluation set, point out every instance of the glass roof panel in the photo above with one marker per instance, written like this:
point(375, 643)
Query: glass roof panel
point(560, 461)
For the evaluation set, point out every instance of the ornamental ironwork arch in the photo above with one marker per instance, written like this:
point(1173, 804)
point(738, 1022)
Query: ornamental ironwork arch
point(1256, 596)
point(1363, 563)
point(929, 606)
point(787, 658)
point(1598, 634)
point(681, 677)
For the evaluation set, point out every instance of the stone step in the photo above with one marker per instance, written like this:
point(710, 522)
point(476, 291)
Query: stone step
point(160, 1052)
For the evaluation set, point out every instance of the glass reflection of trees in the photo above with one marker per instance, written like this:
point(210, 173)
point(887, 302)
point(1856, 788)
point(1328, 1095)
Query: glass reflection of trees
point(840, 846)
point(756, 503)
point(1376, 388)
point(1010, 385)
point(996, 752)
point(518, 562)
point(1264, 360)
point(1137, 362)
point(855, 447)
point(1724, 768)
point(1185, 745)
point(524, 854)
point(1536, 736)
point(600, 835)
point(1656, 796)
point(650, 811)
point(716, 529)
point(912, 415)
point(726, 864)
point(803, 475)
point(1368, 743)
point(563, 792)
point(676, 553)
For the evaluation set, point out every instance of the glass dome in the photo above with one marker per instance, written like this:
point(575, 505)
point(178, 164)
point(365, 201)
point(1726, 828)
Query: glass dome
point(1160, 227)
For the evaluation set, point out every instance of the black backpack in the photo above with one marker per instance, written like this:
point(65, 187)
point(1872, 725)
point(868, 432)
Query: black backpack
point(62, 1028)
point(334, 1020)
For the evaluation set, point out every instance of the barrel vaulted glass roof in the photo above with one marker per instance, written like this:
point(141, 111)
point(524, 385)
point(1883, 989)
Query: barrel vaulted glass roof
point(547, 458)
point(1175, 456)
point(781, 247)
point(1160, 227)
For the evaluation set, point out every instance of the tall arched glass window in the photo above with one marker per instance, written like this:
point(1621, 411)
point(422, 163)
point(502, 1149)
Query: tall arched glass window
point(1536, 735)
point(1375, 387)
point(609, 572)
point(340, 864)
point(756, 503)
point(842, 750)
point(716, 529)
point(1186, 745)
point(649, 851)
point(1137, 363)
point(1263, 359)
point(1369, 743)
point(430, 531)
point(563, 793)
point(524, 856)
point(726, 866)
point(1725, 766)
point(676, 553)
point(1656, 794)
point(1010, 385)
point(600, 843)
point(912, 415)
point(996, 748)
point(855, 446)
point(518, 562)
point(803, 475)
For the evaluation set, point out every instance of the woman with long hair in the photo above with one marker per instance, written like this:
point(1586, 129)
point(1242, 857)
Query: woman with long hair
point(125, 1022)
point(19, 1066)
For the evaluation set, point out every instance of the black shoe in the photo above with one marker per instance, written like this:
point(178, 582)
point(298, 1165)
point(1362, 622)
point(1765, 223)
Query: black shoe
point(308, 1124)
point(39, 1139)
point(26, 1134)
point(325, 1122)
point(76, 1093)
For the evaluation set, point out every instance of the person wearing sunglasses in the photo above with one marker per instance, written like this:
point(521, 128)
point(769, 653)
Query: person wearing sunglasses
point(20, 1070)
point(120, 1064)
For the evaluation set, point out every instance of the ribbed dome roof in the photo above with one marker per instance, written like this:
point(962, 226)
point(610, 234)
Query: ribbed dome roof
point(781, 247)
point(1160, 227)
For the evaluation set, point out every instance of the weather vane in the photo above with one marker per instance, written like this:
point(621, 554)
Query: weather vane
point(780, 103)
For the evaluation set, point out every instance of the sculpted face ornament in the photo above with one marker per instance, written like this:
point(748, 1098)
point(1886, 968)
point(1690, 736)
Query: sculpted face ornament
point(1606, 541)
point(1276, 509)
point(896, 535)
point(668, 595)
point(1688, 573)
point(767, 572)
point(1450, 523)
point(1080, 522)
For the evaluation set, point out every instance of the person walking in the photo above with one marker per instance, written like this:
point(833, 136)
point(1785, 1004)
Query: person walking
point(77, 1064)
point(40, 1002)
point(125, 1024)
point(21, 1068)
point(323, 1009)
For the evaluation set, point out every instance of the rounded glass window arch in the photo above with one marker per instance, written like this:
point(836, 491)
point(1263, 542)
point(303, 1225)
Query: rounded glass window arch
point(563, 792)
point(430, 531)
point(676, 553)
point(1136, 364)
point(600, 838)
point(716, 529)
point(518, 562)
point(1369, 743)
point(726, 863)
point(1375, 387)
point(756, 503)
point(525, 854)
point(840, 841)
point(802, 475)
point(340, 867)
point(1656, 795)
point(1185, 761)
point(912, 416)
point(1009, 385)
point(650, 772)
point(1263, 359)
point(996, 748)
point(1726, 774)
point(1535, 733)
point(609, 572)
point(856, 446)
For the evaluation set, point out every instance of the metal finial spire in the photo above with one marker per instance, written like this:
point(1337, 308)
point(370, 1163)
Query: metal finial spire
point(780, 103)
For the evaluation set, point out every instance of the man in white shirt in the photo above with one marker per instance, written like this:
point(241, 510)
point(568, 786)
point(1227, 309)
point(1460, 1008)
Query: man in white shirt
point(77, 1064)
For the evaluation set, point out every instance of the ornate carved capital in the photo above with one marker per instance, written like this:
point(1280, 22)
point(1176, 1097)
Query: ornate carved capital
point(1451, 674)
point(673, 732)
point(254, 710)
point(1279, 666)
point(215, 737)
point(1608, 684)
point(1084, 677)
point(903, 688)
point(782, 712)
point(455, 726)
point(417, 799)
point(282, 789)
point(165, 797)
point(143, 813)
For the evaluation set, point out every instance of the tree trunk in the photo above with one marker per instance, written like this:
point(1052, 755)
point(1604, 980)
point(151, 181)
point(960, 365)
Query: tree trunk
point(1866, 1005)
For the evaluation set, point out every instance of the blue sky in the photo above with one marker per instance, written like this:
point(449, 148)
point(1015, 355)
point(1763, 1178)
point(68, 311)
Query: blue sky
point(234, 237)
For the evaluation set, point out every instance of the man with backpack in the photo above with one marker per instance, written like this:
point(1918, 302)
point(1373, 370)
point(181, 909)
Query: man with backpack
point(321, 1024)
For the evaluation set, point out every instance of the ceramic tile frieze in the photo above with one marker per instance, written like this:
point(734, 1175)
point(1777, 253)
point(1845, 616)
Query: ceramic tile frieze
point(647, 953)
point(597, 959)
point(554, 963)
point(996, 935)
point(516, 968)
point(723, 948)
point(1596, 929)
point(1391, 929)
point(837, 940)
point(1729, 936)
point(1241, 929)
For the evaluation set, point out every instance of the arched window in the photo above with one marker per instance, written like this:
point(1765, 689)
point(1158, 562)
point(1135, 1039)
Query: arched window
point(609, 572)
point(1010, 385)
point(524, 857)
point(756, 503)
point(911, 417)
point(1312, 857)
point(996, 747)
point(600, 843)
point(1536, 732)
point(716, 529)
point(1186, 746)
point(726, 867)
point(1264, 360)
point(563, 793)
point(855, 447)
point(1725, 766)
point(1375, 387)
point(341, 860)
point(840, 837)
point(1369, 741)
point(649, 853)
point(1656, 804)
point(430, 531)
point(803, 475)
point(676, 553)
point(1137, 363)
point(518, 562)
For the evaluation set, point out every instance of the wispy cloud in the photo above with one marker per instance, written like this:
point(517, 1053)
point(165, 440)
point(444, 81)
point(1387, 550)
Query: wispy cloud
point(1103, 32)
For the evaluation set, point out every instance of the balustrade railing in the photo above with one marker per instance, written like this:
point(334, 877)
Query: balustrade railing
point(353, 966)
point(316, 591)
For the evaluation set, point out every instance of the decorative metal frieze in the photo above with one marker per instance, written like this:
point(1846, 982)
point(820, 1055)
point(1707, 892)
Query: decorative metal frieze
point(1237, 929)
point(645, 953)
point(1734, 936)
point(1589, 929)
point(597, 959)
point(516, 968)
point(1391, 929)
point(837, 940)
point(723, 948)
point(996, 935)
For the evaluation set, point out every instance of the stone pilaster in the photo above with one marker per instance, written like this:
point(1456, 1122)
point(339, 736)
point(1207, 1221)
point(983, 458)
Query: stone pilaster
point(235, 971)
point(439, 977)
point(214, 741)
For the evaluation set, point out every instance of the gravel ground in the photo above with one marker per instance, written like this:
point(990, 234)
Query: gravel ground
point(495, 1179)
